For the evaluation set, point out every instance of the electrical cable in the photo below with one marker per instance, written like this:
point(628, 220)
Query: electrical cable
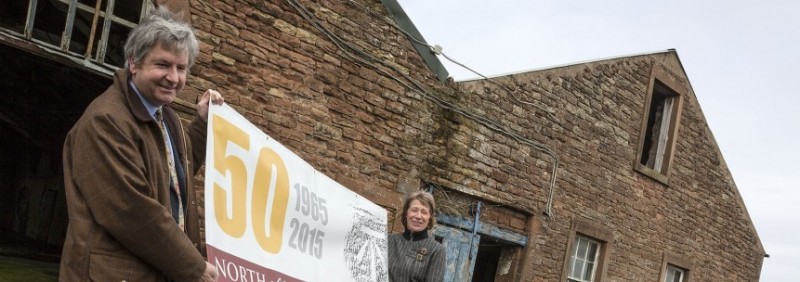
point(370, 61)
point(436, 49)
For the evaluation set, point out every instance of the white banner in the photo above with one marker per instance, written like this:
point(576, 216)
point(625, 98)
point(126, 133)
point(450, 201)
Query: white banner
point(270, 216)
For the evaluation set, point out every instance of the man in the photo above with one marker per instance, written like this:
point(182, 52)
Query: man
point(129, 177)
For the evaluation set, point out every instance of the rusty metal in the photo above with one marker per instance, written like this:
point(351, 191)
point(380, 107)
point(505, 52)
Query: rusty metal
point(90, 45)
point(475, 227)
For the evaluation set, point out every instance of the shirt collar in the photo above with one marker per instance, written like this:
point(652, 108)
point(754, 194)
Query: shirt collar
point(415, 236)
point(149, 106)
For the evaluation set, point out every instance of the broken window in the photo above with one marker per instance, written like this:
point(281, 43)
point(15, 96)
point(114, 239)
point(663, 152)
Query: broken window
point(94, 30)
point(660, 123)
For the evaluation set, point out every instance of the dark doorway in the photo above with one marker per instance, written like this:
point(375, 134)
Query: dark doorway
point(42, 99)
point(487, 260)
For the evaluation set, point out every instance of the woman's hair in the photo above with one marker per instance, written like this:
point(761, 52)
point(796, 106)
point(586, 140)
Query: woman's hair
point(164, 28)
point(426, 199)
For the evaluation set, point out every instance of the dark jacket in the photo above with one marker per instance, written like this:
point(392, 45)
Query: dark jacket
point(117, 189)
point(415, 257)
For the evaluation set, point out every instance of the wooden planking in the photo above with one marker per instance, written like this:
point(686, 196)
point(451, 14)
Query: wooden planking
point(484, 229)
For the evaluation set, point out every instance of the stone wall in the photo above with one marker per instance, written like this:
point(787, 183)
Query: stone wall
point(342, 97)
point(341, 86)
point(591, 115)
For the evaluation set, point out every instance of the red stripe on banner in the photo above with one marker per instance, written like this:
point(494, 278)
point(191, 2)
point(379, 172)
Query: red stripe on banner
point(234, 269)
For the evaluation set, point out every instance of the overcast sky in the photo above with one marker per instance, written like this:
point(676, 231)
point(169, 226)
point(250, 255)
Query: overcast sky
point(741, 58)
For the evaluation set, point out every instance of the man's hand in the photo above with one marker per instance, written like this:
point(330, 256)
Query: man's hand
point(209, 96)
point(210, 275)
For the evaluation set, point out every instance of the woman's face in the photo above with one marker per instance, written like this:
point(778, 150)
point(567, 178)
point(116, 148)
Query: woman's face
point(417, 216)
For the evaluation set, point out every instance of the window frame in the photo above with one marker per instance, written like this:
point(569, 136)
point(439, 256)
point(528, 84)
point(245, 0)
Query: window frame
point(589, 230)
point(584, 258)
point(671, 269)
point(94, 55)
point(678, 262)
point(662, 82)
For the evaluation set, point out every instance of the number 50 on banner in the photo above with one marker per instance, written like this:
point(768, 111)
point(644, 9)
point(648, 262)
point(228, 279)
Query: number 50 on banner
point(267, 212)
point(269, 188)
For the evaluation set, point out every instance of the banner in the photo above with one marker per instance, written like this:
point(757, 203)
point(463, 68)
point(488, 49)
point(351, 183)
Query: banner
point(270, 216)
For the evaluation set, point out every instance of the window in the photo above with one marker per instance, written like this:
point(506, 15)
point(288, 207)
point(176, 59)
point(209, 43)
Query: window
point(584, 259)
point(657, 132)
point(586, 252)
point(660, 123)
point(91, 30)
point(675, 268)
point(674, 274)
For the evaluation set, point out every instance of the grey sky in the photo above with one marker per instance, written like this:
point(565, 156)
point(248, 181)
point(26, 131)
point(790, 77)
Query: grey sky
point(742, 59)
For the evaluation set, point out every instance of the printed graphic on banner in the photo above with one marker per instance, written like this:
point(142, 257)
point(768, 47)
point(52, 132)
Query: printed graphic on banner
point(270, 216)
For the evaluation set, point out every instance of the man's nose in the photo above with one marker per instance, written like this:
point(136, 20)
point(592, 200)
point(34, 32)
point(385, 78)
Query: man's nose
point(172, 74)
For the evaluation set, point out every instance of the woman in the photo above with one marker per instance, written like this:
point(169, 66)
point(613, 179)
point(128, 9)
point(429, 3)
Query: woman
point(414, 255)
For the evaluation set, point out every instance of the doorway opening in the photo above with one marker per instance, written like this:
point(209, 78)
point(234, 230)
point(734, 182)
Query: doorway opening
point(42, 100)
point(483, 256)
point(487, 260)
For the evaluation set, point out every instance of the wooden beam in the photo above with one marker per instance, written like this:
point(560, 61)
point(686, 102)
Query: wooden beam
point(484, 229)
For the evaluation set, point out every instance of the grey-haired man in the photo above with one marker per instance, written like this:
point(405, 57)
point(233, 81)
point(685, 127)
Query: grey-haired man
point(129, 166)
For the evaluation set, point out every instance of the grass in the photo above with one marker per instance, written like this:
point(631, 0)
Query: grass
point(17, 269)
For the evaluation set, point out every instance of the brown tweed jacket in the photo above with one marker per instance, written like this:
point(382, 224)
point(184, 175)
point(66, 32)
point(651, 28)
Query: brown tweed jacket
point(117, 190)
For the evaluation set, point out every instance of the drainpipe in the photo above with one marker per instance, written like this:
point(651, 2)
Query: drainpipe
point(524, 272)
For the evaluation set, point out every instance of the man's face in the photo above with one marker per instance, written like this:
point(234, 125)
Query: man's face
point(161, 75)
point(417, 216)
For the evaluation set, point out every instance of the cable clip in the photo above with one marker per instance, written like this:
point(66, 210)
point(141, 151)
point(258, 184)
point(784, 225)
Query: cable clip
point(436, 49)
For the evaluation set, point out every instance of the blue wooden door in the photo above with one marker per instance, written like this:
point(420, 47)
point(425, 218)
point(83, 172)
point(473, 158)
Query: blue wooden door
point(460, 262)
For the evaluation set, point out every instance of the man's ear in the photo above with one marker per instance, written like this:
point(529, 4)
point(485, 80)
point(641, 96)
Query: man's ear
point(130, 65)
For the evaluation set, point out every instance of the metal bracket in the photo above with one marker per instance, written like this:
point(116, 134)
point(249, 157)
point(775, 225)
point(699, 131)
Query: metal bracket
point(475, 227)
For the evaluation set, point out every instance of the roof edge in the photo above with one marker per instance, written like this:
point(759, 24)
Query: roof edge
point(572, 64)
point(410, 30)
